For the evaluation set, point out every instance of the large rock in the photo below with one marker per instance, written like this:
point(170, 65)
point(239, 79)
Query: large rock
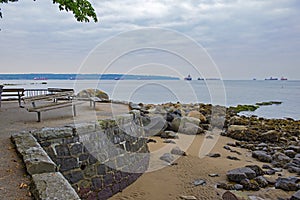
point(262, 182)
point(52, 186)
point(93, 93)
point(155, 125)
point(257, 169)
point(178, 151)
point(197, 115)
point(236, 120)
point(169, 158)
point(236, 128)
point(250, 184)
point(287, 184)
point(296, 196)
point(280, 160)
point(270, 136)
point(186, 125)
point(262, 156)
point(239, 174)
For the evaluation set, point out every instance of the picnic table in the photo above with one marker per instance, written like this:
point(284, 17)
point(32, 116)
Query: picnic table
point(51, 101)
point(11, 92)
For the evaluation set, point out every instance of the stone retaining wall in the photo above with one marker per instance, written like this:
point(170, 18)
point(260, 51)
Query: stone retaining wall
point(97, 159)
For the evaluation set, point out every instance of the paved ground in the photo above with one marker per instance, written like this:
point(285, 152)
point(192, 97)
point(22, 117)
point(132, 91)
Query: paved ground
point(13, 178)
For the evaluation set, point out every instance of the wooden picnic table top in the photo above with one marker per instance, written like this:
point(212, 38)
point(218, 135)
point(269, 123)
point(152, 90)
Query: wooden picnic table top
point(49, 96)
point(13, 90)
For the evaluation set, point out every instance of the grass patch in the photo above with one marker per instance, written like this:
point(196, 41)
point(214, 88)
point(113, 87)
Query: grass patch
point(241, 108)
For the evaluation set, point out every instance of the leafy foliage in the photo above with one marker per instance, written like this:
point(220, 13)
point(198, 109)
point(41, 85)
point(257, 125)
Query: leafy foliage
point(82, 9)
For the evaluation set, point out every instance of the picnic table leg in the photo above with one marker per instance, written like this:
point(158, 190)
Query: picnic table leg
point(74, 110)
point(39, 116)
point(19, 100)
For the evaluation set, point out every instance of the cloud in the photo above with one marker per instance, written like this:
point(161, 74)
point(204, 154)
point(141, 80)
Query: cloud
point(233, 31)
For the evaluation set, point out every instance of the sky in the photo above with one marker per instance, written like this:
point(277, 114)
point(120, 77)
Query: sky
point(233, 39)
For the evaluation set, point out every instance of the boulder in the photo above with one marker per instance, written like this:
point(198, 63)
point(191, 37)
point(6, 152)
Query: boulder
point(134, 106)
point(197, 115)
point(262, 182)
point(236, 128)
point(93, 93)
point(250, 184)
point(262, 156)
point(169, 158)
point(236, 120)
point(287, 184)
point(178, 151)
point(294, 148)
point(290, 153)
point(169, 135)
point(280, 160)
point(186, 125)
point(270, 136)
point(296, 196)
point(257, 169)
point(237, 175)
point(155, 125)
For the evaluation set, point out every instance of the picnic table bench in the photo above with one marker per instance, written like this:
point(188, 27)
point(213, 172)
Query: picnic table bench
point(93, 100)
point(46, 102)
point(12, 92)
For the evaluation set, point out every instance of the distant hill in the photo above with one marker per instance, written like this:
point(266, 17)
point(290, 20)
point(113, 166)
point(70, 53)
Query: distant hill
point(83, 77)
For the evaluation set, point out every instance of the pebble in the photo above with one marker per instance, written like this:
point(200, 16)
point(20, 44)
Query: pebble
point(169, 142)
point(232, 158)
point(214, 155)
point(199, 182)
point(188, 197)
point(227, 147)
point(213, 175)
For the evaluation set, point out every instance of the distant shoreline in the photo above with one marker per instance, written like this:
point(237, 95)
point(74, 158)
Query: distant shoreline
point(83, 77)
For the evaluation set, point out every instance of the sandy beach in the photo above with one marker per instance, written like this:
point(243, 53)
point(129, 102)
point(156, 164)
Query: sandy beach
point(169, 182)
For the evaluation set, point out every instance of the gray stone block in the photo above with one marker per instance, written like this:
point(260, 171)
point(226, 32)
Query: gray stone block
point(37, 161)
point(35, 158)
point(52, 186)
point(23, 141)
point(83, 128)
point(53, 133)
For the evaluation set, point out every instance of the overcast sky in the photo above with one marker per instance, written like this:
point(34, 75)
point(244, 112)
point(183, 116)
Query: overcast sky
point(245, 38)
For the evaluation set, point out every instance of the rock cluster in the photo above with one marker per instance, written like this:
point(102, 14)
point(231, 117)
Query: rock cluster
point(275, 141)
point(252, 177)
point(190, 119)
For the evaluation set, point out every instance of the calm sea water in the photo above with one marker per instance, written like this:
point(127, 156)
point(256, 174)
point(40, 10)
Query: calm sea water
point(216, 92)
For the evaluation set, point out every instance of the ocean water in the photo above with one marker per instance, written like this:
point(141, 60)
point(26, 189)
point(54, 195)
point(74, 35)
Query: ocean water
point(229, 93)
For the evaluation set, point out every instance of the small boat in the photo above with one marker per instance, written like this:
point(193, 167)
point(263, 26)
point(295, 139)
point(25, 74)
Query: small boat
point(283, 79)
point(200, 79)
point(271, 79)
point(40, 78)
point(188, 78)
